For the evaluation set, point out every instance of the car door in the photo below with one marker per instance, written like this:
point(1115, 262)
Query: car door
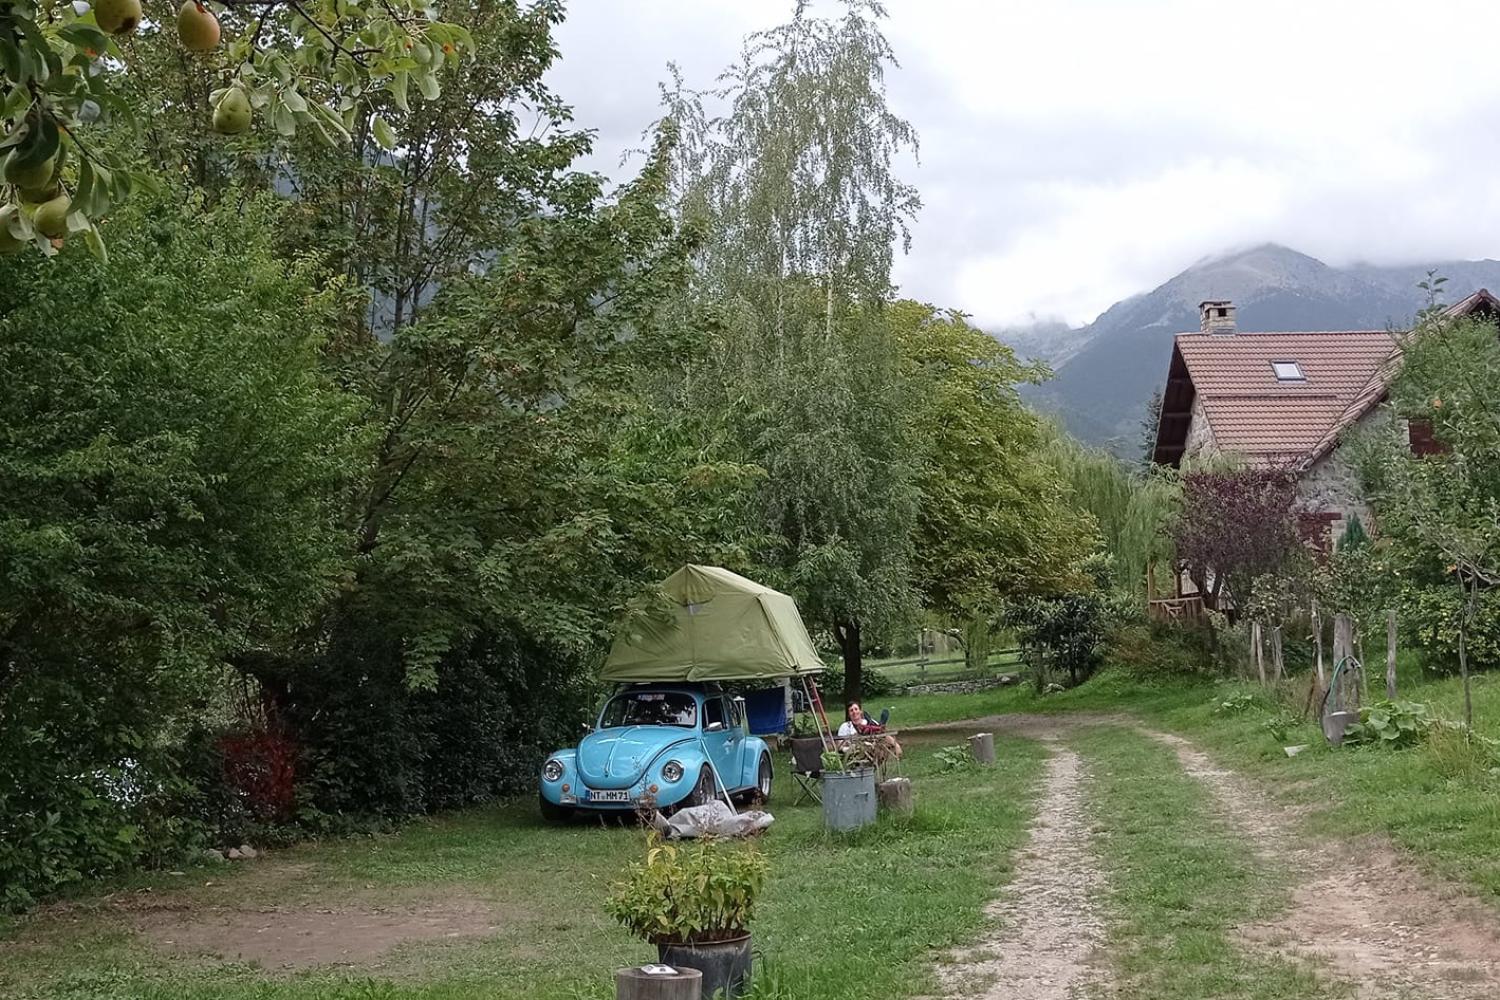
point(722, 739)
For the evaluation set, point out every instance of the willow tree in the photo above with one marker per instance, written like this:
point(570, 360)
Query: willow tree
point(1134, 510)
point(796, 187)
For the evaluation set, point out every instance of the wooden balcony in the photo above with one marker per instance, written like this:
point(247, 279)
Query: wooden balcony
point(1175, 609)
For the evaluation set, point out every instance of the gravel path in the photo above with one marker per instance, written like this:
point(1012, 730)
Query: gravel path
point(1050, 928)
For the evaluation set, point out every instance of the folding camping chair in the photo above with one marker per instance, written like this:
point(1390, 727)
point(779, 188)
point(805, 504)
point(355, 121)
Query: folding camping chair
point(807, 769)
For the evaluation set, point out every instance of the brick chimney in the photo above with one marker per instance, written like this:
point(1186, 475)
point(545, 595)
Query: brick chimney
point(1216, 316)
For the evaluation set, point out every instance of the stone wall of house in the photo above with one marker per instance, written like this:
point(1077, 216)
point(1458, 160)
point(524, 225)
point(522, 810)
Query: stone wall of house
point(1200, 436)
point(1332, 484)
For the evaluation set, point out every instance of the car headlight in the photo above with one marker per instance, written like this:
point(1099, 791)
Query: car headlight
point(552, 770)
point(671, 771)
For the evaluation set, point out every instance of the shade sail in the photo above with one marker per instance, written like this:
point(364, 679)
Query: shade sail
point(723, 628)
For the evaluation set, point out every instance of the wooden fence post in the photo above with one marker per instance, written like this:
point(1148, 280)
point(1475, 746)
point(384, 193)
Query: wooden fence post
point(1257, 652)
point(1390, 655)
point(1317, 624)
point(1348, 690)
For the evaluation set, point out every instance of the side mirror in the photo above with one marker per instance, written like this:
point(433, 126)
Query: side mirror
point(714, 727)
point(587, 728)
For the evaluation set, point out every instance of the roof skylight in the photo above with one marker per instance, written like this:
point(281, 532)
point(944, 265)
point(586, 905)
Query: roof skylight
point(1288, 371)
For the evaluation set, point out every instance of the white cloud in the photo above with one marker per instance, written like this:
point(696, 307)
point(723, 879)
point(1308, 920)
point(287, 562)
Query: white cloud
point(1077, 151)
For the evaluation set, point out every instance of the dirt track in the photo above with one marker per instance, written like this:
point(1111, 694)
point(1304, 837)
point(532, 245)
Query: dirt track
point(1361, 912)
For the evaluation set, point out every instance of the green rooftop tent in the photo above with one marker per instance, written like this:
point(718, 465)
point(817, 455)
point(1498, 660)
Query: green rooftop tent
point(724, 628)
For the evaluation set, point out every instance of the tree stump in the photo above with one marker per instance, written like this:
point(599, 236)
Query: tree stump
point(633, 984)
point(982, 746)
point(895, 795)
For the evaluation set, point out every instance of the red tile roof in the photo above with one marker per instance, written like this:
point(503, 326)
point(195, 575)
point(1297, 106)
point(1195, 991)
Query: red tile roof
point(1271, 421)
point(1268, 420)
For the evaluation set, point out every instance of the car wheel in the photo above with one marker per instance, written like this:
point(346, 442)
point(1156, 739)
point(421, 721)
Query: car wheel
point(763, 779)
point(703, 792)
point(553, 813)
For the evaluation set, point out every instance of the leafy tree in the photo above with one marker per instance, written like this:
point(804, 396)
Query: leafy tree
point(1235, 525)
point(796, 189)
point(995, 517)
point(305, 63)
point(172, 458)
point(1150, 423)
point(1063, 636)
point(1446, 504)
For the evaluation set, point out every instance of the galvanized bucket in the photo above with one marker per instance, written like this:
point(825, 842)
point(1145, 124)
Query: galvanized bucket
point(848, 799)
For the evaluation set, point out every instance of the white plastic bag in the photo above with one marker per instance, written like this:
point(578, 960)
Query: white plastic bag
point(713, 820)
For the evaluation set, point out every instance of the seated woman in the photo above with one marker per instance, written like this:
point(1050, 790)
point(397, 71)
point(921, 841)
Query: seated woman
point(857, 723)
point(862, 736)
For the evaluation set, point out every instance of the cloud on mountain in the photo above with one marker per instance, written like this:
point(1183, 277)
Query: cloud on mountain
point(1079, 151)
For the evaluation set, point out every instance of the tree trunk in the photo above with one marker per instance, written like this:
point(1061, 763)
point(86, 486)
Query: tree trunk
point(847, 634)
point(1390, 655)
point(1276, 659)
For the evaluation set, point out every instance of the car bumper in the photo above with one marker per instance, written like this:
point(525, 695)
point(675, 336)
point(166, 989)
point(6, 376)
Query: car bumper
point(579, 796)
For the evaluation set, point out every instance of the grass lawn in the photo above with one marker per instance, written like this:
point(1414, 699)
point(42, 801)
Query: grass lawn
point(491, 903)
point(842, 917)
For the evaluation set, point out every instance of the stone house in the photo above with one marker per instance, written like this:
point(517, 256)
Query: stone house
point(1285, 399)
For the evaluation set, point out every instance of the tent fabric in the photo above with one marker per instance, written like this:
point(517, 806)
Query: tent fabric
point(723, 628)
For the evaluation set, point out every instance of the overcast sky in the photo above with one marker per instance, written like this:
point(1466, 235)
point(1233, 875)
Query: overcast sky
point(1075, 152)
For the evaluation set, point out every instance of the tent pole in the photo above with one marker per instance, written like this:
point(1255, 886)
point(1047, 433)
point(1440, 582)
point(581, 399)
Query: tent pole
point(719, 781)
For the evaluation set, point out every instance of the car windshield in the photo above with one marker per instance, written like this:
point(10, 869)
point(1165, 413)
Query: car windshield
point(650, 708)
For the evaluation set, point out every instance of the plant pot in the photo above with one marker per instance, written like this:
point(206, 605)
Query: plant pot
point(725, 964)
point(1334, 724)
point(848, 799)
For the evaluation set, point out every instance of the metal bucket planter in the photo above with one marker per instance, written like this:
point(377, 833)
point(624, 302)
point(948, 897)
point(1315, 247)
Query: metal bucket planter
point(725, 964)
point(1334, 725)
point(848, 799)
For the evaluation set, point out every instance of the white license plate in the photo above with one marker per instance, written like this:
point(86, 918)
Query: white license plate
point(597, 795)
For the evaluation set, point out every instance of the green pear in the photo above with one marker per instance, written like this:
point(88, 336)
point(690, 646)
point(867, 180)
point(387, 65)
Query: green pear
point(8, 243)
point(35, 177)
point(197, 28)
point(51, 218)
point(232, 115)
point(117, 17)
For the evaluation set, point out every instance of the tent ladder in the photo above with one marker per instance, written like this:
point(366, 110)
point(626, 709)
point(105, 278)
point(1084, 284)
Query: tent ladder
point(825, 731)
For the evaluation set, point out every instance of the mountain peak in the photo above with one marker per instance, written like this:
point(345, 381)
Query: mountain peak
point(1257, 252)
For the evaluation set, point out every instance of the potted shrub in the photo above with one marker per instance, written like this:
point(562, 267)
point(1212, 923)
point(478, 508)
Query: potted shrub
point(848, 788)
point(694, 903)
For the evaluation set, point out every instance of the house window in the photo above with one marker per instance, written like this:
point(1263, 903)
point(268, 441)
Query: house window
point(1288, 371)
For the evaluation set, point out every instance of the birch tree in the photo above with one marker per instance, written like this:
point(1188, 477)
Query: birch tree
point(795, 184)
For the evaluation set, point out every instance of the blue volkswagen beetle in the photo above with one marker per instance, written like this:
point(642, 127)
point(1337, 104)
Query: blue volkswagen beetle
point(679, 744)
